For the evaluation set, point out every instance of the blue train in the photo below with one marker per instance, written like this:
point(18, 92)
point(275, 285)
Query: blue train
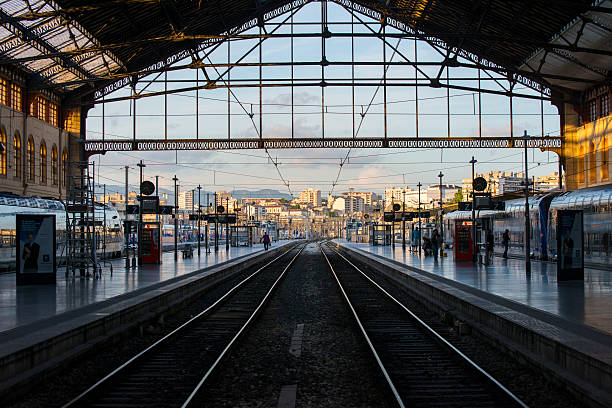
point(596, 204)
point(109, 231)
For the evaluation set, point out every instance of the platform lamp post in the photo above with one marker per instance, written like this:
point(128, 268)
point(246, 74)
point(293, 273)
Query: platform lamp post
point(199, 217)
point(192, 208)
point(393, 223)
point(207, 228)
point(419, 210)
point(441, 214)
point(216, 225)
point(473, 162)
point(227, 245)
point(175, 179)
point(526, 139)
point(127, 236)
point(141, 166)
point(403, 221)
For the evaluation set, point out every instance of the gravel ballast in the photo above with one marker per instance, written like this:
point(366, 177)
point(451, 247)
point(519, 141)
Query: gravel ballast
point(335, 367)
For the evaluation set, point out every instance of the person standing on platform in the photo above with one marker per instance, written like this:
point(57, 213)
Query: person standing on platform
point(415, 239)
point(266, 240)
point(490, 242)
point(435, 243)
point(506, 242)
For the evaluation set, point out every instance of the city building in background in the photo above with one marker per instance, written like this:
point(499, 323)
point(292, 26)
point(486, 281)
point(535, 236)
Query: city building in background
point(367, 196)
point(348, 205)
point(311, 196)
point(502, 182)
point(186, 200)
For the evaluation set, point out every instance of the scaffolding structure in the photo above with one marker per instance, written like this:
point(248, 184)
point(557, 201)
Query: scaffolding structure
point(80, 222)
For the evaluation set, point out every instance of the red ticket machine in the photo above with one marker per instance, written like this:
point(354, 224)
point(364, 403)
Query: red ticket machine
point(150, 240)
point(463, 245)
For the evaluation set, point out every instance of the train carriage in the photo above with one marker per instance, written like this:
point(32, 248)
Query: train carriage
point(109, 231)
point(596, 204)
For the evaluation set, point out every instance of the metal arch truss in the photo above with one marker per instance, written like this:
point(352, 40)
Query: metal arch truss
point(433, 72)
point(209, 43)
point(92, 147)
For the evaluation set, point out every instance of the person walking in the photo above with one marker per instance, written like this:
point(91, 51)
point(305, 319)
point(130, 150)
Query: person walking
point(506, 242)
point(435, 243)
point(266, 240)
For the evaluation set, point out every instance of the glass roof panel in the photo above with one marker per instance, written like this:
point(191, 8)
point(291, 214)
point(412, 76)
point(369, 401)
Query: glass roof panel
point(53, 34)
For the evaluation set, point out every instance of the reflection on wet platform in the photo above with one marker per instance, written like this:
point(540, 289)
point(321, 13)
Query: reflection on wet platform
point(21, 305)
point(587, 302)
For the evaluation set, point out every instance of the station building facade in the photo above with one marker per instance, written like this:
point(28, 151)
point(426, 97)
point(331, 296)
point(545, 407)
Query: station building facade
point(587, 129)
point(37, 139)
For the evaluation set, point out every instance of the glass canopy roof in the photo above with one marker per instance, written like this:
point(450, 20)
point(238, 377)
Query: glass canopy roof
point(38, 36)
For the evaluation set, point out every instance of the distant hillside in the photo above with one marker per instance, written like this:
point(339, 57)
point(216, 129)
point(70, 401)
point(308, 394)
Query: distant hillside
point(265, 193)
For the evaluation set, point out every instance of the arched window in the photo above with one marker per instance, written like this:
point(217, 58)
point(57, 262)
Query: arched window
point(592, 163)
point(580, 168)
point(17, 154)
point(54, 169)
point(65, 168)
point(31, 159)
point(3, 152)
point(43, 162)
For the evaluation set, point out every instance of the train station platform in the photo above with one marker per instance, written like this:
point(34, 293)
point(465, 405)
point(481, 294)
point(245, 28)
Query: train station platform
point(23, 305)
point(587, 302)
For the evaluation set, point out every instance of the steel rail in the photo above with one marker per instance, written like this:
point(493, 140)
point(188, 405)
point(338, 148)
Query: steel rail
point(75, 401)
point(441, 340)
point(396, 395)
point(232, 342)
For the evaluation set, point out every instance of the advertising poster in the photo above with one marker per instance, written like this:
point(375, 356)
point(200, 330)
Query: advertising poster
point(36, 243)
point(570, 248)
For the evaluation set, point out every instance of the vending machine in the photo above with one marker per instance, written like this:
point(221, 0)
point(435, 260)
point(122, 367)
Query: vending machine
point(150, 240)
point(463, 246)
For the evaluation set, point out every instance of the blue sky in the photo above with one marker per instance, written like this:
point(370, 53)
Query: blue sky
point(366, 169)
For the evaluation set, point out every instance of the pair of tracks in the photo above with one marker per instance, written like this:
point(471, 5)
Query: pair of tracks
point(172, 371)
point(420, 367)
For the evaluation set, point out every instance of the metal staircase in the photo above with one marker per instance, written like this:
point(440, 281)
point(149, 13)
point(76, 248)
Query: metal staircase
point(80, 222)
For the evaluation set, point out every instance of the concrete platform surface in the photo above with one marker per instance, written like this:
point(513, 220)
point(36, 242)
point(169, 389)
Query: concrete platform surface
point(588, 302)
point(21, 305)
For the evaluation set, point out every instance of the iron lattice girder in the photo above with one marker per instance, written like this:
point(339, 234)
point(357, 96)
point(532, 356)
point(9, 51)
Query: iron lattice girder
point(442, 64)
point(92, 147)
point(331, 34)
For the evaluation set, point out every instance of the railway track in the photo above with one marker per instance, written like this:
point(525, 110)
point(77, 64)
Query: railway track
point(421, 368)
point(171, 372)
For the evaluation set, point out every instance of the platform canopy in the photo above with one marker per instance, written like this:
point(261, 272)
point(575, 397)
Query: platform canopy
point(79, 48)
